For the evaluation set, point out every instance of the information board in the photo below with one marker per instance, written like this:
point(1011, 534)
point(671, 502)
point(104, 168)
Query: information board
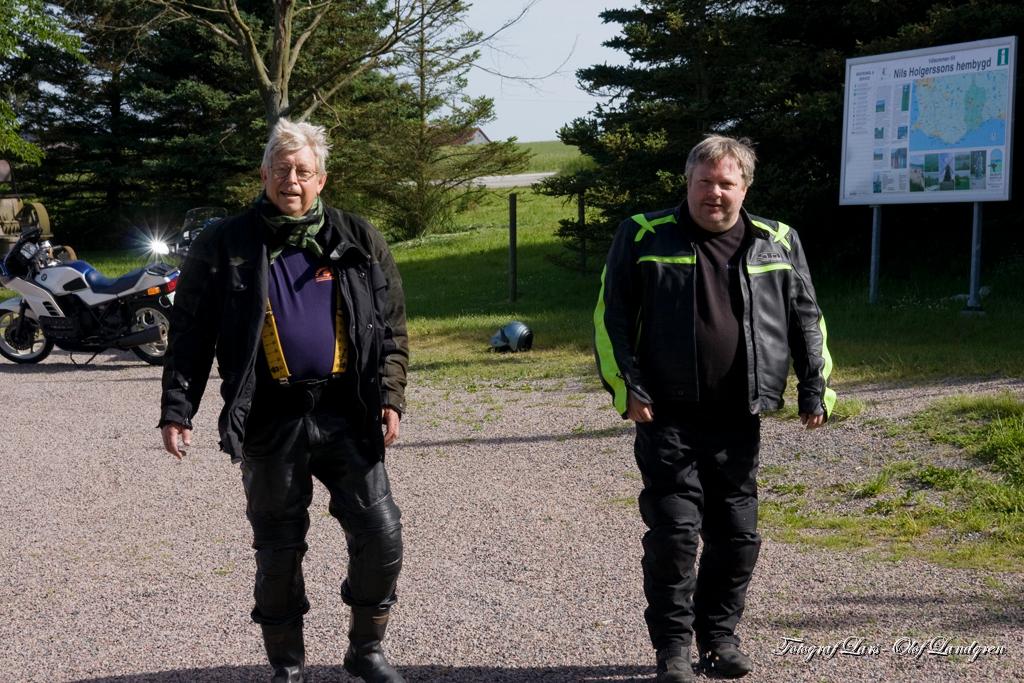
point(930, 125)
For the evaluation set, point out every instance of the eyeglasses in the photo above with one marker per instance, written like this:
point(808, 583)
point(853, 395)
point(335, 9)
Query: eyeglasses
point(304, 175)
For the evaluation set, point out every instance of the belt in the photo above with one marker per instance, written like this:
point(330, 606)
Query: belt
point(306, 383)
point(304, 395)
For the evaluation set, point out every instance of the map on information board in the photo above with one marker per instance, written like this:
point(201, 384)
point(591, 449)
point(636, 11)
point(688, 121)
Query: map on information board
point(929, 125)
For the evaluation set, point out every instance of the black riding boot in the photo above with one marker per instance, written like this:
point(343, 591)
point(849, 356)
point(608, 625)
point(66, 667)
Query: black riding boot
point(286, 652)
point(365, 657)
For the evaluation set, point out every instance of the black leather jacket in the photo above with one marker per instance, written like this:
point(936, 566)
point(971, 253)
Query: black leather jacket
point(219, 309)
point(644, 322)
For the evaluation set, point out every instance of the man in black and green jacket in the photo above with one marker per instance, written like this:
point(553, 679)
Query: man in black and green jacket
point(700, 309)
point(301, 305)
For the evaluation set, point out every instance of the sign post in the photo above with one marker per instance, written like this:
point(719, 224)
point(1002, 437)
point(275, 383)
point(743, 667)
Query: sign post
point(876, 246)
point(974, 296)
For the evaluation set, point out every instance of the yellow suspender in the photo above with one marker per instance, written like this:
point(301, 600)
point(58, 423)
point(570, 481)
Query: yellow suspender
point(340, 338)
point(272, 348)
point(274, 352)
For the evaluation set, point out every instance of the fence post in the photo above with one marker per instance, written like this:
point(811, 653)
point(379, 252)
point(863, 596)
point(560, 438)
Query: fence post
point(582, 232)
point(512, 264)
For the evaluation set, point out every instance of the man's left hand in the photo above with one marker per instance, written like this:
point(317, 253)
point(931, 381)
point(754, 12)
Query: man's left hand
point(391, 420)
point(811, 421)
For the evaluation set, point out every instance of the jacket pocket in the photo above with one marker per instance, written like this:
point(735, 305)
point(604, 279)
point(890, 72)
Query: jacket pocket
point(378, 283)
point(240, 278)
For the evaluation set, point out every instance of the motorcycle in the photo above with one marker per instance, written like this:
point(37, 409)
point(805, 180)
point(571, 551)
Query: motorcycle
point(67, 303)
point(196, 220)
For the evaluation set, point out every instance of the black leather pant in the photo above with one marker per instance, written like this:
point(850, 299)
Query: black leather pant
point(699, 470)
point(295, 434)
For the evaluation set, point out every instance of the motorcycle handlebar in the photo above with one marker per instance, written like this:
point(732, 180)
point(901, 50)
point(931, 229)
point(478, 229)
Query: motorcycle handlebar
point(17, 264)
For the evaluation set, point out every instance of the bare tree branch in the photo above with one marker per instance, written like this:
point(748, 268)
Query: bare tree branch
point(304, 36)
point(246, 42)
point(186, 11)
point(272, 67)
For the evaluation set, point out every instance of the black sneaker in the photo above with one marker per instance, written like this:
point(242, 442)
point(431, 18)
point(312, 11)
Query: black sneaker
point(725, 660)
point(674, 666)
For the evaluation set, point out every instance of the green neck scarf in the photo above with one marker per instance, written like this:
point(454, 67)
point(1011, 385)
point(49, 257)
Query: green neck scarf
point(284, 231)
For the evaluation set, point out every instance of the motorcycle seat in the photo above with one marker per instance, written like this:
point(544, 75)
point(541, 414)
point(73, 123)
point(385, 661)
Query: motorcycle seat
point(105, 285)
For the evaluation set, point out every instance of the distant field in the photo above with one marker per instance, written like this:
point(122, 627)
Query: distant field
point(552, 155)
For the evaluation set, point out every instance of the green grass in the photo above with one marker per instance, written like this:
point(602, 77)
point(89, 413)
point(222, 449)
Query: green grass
point(874, 486)
point(788, 489)
point(458, 295)
point(964, 516)
point(989, 428)
point(550, 156)
point(457, 289)
point(918, 330)
point(113, 263)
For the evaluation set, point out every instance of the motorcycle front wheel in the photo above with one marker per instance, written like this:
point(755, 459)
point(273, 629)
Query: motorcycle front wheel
point(147, 316)
point(22, 341)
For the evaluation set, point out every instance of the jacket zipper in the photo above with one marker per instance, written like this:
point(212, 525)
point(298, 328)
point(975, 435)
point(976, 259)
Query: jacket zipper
point(346, 296)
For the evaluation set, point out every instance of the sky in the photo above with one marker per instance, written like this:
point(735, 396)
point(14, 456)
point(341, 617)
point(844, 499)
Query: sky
point(536, 46)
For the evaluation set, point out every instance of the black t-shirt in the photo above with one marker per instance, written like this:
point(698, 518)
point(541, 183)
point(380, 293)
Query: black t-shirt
point(718, 322)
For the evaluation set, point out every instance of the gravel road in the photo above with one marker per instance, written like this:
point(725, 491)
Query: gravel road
point(120, 564)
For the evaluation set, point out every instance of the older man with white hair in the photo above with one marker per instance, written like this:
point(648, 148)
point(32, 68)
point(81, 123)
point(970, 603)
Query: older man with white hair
point(302, 306)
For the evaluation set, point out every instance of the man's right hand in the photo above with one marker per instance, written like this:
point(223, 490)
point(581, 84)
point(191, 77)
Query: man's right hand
point(171, 432)
point(638, 411)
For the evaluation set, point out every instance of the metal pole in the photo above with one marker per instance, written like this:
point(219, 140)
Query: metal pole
point(512, 265)
point(974, 296)
point(876, 246)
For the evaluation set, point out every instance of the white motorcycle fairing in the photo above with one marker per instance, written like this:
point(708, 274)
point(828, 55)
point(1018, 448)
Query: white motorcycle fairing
point(11, 304)
point(86, 283)
point(81, 279)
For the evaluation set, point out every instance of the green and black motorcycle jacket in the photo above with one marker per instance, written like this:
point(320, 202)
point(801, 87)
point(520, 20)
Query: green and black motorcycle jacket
point(644, 334)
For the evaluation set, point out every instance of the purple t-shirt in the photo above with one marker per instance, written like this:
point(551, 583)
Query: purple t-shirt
point(303, 298)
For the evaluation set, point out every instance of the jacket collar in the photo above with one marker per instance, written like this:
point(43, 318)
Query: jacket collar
point(337, 237)
point(682, 214)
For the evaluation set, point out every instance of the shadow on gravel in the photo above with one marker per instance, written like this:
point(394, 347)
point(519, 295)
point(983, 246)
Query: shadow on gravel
point(421, 674)
point(469, 440)
point(967, 611)
point(46, 369)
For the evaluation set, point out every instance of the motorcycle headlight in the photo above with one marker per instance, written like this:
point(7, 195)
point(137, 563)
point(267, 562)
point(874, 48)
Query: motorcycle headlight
point(159, 247)
point(29, 250)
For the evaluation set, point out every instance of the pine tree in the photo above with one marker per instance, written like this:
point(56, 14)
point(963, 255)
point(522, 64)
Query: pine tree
point(687, 57)
point(24, 25)
point(423, 172)
point(78, 113)
point(770, 70)
point(299, 56)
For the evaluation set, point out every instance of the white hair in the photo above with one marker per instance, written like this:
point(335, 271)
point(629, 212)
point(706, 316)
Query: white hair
point(291, 137)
